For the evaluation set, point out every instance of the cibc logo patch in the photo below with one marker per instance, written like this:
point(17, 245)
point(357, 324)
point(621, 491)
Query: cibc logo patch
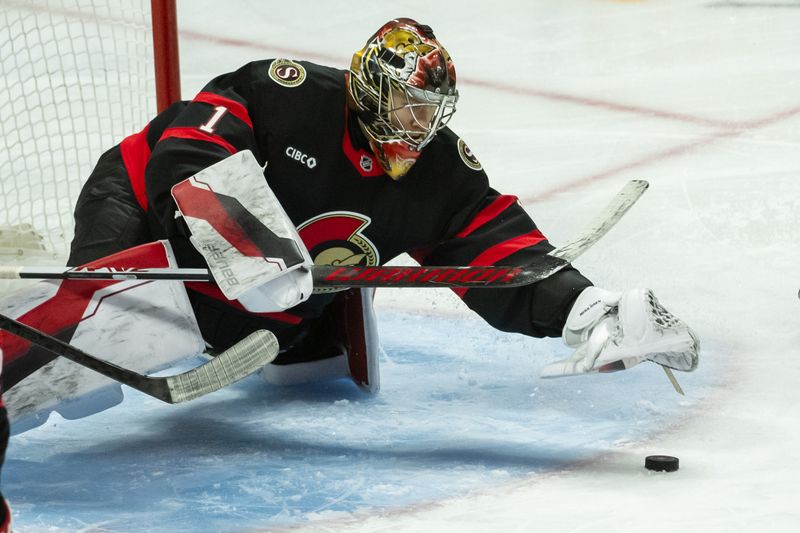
point(300, 157)
point(467, 156)
point(287, 73)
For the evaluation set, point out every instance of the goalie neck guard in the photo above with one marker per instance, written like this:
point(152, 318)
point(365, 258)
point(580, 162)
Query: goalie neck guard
point(402, 85)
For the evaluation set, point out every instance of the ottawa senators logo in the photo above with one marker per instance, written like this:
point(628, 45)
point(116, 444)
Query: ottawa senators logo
point(467, 156)
point(287, 73)
point(336, 238)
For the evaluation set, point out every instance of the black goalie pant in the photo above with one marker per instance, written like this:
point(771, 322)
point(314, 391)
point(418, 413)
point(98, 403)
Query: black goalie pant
point(108, 219)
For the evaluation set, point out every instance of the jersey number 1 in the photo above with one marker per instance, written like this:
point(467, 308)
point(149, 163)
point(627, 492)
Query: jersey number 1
point(219, 111)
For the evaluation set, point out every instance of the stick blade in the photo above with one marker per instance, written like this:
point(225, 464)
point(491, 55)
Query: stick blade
point(606, 220)
point(237, 362)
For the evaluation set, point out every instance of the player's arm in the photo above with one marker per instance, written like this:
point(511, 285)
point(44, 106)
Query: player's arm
point(214, 125)
point(496, 230)
point(608, 330)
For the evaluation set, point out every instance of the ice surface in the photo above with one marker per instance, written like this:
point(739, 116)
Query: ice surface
point(562, 101)
point(453, 417)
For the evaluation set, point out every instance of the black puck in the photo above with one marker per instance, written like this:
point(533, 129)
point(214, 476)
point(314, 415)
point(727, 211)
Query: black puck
point(661, 463)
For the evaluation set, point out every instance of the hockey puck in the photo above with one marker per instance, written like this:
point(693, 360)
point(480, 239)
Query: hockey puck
point(661, 463)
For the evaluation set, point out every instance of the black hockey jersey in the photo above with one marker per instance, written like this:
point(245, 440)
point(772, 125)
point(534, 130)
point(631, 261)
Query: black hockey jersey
point(293, 116)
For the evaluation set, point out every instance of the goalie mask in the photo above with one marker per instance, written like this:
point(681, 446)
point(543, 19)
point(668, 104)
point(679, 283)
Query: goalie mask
point(403, 86)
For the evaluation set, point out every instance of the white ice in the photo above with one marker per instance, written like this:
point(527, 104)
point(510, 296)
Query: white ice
point(562, 101)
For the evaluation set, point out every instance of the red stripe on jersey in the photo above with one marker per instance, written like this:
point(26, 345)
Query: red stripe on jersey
point(212, 290)
point(488, 213)
point(202, 203)
point(197, 135)
point(234, 108)
point(503, 250)
point(135, 153)
point(351, 306)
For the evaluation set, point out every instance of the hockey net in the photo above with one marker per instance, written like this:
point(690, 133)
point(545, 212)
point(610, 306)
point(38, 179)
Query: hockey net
point(76, 77)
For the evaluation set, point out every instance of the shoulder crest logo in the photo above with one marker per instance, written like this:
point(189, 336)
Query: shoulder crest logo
point(287, 72)
point(467, 156)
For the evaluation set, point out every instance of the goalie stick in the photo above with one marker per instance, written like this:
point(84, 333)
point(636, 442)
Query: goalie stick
point(325, 276)
point(235, 363)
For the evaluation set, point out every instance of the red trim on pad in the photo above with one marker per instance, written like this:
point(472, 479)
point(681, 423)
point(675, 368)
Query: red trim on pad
point(203, 203)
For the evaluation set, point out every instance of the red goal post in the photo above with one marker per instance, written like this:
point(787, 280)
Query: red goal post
point(76, 77)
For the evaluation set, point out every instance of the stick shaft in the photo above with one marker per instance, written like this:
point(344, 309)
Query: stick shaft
point(386, 276)
point(326, 276)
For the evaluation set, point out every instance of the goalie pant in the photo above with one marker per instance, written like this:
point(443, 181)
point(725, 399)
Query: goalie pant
point(332, 188)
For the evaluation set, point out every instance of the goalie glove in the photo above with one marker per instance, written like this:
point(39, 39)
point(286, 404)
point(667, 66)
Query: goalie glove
point(613, 331)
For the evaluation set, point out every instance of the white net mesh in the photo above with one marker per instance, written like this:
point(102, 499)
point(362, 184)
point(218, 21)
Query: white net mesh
point(76, 77)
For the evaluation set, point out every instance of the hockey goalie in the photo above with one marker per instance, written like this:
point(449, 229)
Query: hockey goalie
point(283, 164)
